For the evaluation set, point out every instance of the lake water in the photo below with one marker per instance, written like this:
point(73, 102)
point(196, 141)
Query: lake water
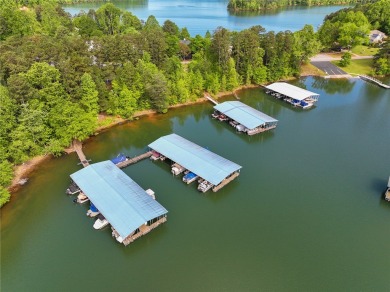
point(306, 214)
point(200, 16)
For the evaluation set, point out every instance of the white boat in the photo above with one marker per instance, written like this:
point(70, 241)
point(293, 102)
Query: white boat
point(204, 186)
point(241, 128)
point(387, 193)
point(81, 199)
point(151, 193)
point(100, 222)
point(177, 169)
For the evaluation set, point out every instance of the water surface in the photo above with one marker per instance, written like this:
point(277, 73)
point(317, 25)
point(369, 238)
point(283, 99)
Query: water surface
point(306, 214)
point(200, 16)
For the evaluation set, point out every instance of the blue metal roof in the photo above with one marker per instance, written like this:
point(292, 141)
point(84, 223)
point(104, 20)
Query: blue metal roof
point(121, 200)
point(244, 114)
point(291, 90)
point(195, 158)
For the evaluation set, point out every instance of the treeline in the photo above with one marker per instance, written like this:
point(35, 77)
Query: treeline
point(57, 73)
point(350, 27)
point(259, 5)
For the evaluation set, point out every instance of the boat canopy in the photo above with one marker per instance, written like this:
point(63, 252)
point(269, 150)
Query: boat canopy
point(124, 204)
point(195, 158)
point(388, 184)
point(120, 158)
point(244, 114)
point(291, 91)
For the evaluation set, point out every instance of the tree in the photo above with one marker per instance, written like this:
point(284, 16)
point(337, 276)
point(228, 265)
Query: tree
point(108, 18)
point(89, 95)
point(220, 47)
point(4, 196)
point(345, 59)
point(7, 173)
point(170, 28)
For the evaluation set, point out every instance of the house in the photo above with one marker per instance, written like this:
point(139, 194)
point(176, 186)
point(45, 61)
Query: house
point(376, 36)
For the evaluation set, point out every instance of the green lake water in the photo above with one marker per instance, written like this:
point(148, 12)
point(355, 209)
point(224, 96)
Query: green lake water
point(306, 214)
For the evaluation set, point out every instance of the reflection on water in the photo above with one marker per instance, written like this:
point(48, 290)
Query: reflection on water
point(333, 86)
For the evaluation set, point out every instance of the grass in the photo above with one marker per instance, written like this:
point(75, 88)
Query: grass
point(309, 70)
point(363, 66)
point(364, 50)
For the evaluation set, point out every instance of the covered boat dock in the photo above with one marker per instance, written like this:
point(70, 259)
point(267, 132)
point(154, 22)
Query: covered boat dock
point(292, 94)
point(245, 118)
point(214, 171)
point(126, 206)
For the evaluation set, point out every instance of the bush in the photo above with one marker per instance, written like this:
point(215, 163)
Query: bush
point(4, 196)
point(345, 59)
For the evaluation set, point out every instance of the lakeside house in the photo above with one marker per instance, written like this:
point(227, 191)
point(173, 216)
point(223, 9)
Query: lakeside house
point(376, 36)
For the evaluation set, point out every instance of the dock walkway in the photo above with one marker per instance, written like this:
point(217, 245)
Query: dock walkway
point(78, 147)
point(376, 81)
point(225, 182)
point(134, 159)
point(210, 99)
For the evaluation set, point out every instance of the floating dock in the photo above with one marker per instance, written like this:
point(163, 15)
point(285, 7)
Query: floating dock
point(78, 147)
point(292, 94)
point(135, 159)
point(244, 118)
point(210, 167)
point(376, 81)
point(130, 210)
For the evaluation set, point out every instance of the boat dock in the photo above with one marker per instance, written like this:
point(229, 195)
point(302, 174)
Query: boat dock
point(135, 159)
point(206, 96)
point(78, 147)
point(212, 169)
point(294, 95)
point(128, 208)
point(243, 117)
point(376, 81)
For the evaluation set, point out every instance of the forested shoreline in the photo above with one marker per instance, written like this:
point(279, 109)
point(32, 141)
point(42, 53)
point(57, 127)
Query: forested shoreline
point(58, 72)
point(261, 5)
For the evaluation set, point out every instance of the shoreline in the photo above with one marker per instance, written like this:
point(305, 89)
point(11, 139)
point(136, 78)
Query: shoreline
point(22, 171)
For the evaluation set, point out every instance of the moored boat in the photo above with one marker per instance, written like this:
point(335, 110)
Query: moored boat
point(177, 169)
point(72, 189)
point(93, 211)
point(190, 177)
point(204, 186)
point(100, 222)
point(119, 158)
point(387, 193)
point(81, 198)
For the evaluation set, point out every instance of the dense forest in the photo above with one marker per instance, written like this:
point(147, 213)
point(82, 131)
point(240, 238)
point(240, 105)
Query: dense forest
point(259, 5)
point(59, 73)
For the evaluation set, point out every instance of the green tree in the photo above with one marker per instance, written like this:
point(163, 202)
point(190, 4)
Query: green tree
point(89, 95)
point(7, 173)
point(345, 59)
point(108, 18)
point(4, 196)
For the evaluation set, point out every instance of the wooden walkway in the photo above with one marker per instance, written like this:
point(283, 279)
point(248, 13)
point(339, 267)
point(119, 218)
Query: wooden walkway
point(210, 99)
point(78, 147)
point(144, 229)
point(225, 181)
point(134, 159)
point(376, 81)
